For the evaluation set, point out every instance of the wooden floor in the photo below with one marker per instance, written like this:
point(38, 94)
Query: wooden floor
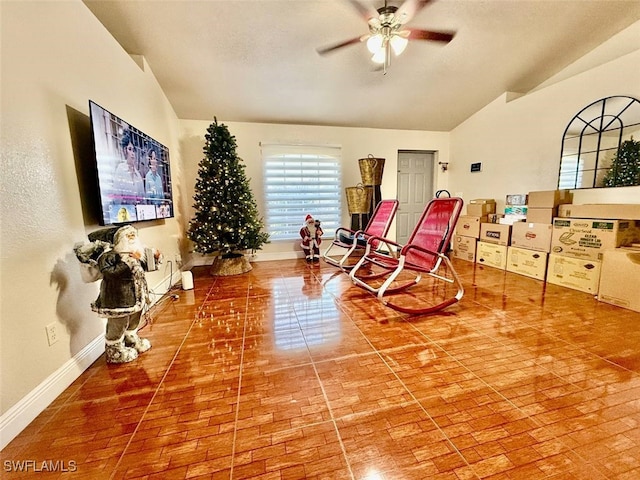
point(291, 372)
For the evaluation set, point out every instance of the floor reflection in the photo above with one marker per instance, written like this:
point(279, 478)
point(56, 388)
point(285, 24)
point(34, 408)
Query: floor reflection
point(301, 302)
point(291, 372)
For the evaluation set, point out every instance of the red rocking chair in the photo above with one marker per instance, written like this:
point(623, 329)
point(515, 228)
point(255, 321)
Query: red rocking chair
point(352, 241)
point(423, 255)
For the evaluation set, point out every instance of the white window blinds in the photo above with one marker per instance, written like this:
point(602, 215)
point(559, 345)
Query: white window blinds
point(571, 170)
point(301, 180)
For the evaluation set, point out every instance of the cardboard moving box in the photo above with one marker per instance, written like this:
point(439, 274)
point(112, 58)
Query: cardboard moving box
point(575, 273)
point(527, 262)
point(491, 255)
point(495, 233)
point(600, 210)
point(480, 207)
point(541, 215)
point(620, 278)
point(469, 226)
point(533, 236)
point(549, 198)
point(588, 238)
point(464, 248)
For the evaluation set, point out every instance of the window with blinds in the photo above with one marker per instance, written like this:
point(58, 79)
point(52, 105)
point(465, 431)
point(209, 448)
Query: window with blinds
point(301, 180)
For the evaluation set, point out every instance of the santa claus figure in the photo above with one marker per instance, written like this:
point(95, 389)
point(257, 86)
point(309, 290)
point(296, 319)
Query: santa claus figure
point(311, 234)
point(123, 293)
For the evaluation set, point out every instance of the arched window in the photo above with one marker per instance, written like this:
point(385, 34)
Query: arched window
point(592, 142)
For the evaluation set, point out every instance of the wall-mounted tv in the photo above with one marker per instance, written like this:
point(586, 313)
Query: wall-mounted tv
point(134, 175)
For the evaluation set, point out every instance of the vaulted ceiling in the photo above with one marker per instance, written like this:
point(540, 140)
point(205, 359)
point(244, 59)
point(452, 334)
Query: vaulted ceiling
point(257, 60)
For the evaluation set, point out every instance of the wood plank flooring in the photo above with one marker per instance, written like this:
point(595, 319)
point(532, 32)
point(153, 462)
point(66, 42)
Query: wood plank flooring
point(291, 372)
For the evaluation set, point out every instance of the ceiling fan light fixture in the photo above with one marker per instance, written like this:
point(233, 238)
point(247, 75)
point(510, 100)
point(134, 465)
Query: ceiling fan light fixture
point(387, 36)
point(398, 44)
point(380, 56)
point(374, 43)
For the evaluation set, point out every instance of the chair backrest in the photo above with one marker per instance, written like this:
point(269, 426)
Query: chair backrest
point(382, 217)
point(433, 231)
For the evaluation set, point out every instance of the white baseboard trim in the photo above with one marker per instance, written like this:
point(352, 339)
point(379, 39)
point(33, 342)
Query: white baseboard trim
point(16, 419)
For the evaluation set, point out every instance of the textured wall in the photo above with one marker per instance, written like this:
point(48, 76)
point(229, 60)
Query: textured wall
point(55, 57)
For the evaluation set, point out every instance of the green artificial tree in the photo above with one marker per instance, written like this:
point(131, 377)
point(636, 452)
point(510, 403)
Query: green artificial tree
point(226, 219)
point(625, 167)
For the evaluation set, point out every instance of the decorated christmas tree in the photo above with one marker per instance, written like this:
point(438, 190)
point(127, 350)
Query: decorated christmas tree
point(625, 167)
point(226, 220)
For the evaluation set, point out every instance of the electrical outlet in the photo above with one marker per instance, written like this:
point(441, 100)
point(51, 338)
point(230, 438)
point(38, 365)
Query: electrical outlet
point(52, 333)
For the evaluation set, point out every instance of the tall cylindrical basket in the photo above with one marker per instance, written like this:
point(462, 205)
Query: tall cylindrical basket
point(358, 199)
point(371, 169)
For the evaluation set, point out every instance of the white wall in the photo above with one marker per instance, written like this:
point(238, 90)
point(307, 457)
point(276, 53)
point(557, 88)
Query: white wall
point(55, 57)
point(519, 141)
point(355, 142)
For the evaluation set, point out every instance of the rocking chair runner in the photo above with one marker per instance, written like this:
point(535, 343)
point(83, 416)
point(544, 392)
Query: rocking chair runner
point(353, 241)
point(424, 254)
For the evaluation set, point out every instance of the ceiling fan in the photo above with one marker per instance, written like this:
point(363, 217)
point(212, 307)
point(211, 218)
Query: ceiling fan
point(387, 32)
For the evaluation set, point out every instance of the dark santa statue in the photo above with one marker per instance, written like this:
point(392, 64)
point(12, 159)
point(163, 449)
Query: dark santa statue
point(118, 257)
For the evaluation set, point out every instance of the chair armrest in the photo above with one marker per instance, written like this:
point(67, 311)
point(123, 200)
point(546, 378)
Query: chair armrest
point(372, 240)
point(406, 248)
point(344, 230)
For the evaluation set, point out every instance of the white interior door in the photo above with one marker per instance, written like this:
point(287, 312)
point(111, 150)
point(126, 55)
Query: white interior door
point(415, 189)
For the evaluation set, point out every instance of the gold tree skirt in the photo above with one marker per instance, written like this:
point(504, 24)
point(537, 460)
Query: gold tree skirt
point(223, 267)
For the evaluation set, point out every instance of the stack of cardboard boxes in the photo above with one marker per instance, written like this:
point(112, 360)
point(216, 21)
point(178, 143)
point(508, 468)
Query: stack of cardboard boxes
point(468, 228)
point(492, 244)
point(543, 236)
point(531, 239)
point(495, 236)
point(591, 248)
point(543, 206)
point(587, 251)
point(518, 240)
point(515, 209)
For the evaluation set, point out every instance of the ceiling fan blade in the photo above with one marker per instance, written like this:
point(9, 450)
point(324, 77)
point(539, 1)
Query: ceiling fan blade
point(409, 9)
point(366, 11)
point(346, 43)
point(416, 34)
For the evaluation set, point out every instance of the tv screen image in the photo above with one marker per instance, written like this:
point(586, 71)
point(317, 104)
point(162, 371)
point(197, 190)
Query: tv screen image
point(134, 173)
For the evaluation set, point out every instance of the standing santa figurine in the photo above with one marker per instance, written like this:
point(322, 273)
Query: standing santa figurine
point(311, 234)
point(121, 260)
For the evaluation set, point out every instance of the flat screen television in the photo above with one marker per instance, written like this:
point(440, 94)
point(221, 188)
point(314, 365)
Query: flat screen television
point(134, 174)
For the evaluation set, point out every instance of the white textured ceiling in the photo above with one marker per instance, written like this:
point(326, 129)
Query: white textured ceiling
point(256, 60)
